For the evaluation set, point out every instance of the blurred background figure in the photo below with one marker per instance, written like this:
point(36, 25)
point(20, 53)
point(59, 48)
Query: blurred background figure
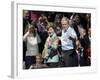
point(39, 63)
point(25, 23)
point(42, 26)
point(85, 42)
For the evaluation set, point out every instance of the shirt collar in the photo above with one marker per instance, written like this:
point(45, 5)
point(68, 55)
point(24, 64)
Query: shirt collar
point(65, 30)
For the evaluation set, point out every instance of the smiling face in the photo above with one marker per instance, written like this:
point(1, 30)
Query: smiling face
point(65, 23)
point(50, 31)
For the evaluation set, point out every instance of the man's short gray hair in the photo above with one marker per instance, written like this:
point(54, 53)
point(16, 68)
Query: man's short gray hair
point(65, 19)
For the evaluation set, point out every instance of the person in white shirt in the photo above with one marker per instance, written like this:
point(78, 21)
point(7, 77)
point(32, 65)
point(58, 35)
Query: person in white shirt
point(32, 39)
point(68, 39)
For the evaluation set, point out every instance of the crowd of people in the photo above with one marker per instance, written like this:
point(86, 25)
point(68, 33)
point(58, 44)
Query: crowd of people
point(56, 39)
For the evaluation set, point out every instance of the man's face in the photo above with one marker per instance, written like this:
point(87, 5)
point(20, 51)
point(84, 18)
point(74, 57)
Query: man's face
point(26, 14)
point(65, 24)
point(77, 19)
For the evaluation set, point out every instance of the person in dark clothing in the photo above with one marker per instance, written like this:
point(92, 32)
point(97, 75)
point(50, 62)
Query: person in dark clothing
point(85, 42)
point(42, 31)
point(25, 23)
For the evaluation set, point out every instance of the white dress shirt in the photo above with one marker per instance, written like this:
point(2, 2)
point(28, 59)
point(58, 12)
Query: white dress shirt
point(66, 42)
